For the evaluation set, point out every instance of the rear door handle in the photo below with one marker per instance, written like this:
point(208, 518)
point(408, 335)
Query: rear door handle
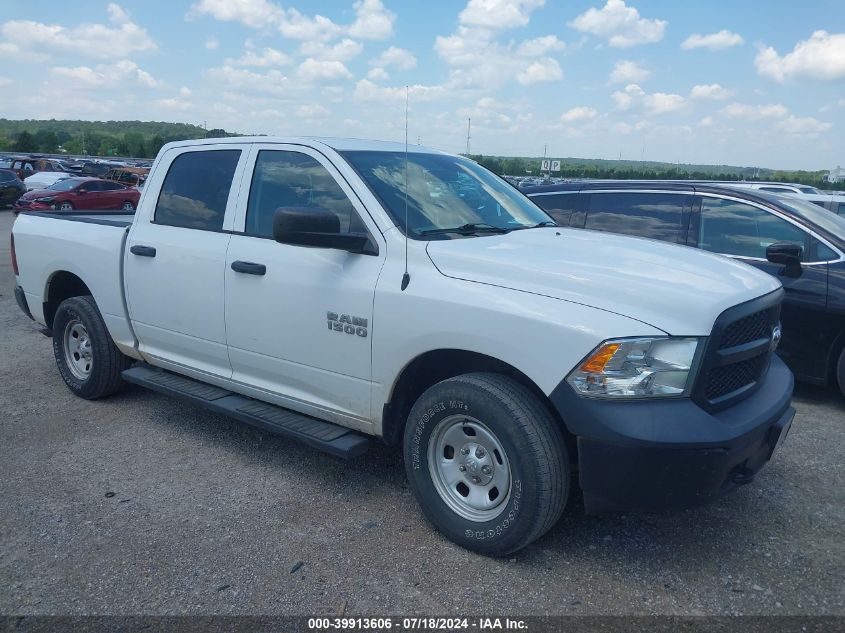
point(249, 268)
point(143, 251)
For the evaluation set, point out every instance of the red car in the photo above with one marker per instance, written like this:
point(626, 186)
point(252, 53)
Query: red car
point(85, 194)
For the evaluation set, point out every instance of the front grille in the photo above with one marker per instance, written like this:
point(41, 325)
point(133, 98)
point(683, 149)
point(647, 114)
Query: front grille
point(738, 352)
point(731, 378)
point(752, 327)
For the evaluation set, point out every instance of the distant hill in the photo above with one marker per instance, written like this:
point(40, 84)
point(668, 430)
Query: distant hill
point(141, 139)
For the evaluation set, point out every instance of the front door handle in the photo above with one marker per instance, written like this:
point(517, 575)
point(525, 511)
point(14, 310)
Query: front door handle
point(249, 268)
point(143, 251)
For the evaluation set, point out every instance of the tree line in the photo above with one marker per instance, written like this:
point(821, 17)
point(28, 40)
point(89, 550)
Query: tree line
point(642, 170)
point(137, 139)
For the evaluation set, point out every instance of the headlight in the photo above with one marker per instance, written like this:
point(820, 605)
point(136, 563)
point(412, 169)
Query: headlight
point(45, 200)
point(637, 368)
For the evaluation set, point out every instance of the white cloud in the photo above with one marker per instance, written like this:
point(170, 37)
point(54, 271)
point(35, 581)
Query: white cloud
point(366, 90)
point(540, 46)
point(625, 72)
point(378, 74)
point(343, 51)
point(714, 41)
point(478, 61)
point(395, 57)
point(499, 14)
point(707, 121)
point(372, 21)
point(802, 126)
point(88, 40)
point(620, 24)
point(312, 111)
point(246, 81)
point(254, 13)
point(212, 43)
point(751, 112)
point(544, 69)
point(581, 113)
point(634, 97)
point(842, 103)
point(5, 81)
point(323, 70)
point(297, 26)
point(710, 91)
point(820, 57)
point(261, 59)
point(106, 75)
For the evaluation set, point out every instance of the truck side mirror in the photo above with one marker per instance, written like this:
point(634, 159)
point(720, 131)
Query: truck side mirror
point(788, 254)
point(313, 226)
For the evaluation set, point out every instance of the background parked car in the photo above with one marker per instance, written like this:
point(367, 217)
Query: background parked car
point(43, 179)
point(11, 187)
point(794, 240)
point(86, 194)
point(830, 201)
point(25, 166)
point(130, 176)
point(95, 169)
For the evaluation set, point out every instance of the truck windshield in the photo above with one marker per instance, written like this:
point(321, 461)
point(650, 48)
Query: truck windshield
point(448, 196)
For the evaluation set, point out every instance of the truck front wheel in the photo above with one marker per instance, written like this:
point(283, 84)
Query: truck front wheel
point(87, 358)
point(487, 462)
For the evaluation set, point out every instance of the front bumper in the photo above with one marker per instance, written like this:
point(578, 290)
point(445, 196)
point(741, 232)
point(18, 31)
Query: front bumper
point(658, 453)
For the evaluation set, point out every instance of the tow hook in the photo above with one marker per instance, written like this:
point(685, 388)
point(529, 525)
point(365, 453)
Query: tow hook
point(742, 475)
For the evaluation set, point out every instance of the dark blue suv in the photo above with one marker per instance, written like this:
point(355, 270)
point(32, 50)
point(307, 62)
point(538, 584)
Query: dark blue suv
point(798, 242)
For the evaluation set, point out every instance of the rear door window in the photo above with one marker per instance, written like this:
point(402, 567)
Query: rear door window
point(660, 216)
point(196, 189)
point(730, 227)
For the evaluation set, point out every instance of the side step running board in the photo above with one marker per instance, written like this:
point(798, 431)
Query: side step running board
point(325, 436)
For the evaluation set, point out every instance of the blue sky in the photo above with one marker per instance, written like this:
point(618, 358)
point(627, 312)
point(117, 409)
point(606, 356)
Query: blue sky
point(726, 82)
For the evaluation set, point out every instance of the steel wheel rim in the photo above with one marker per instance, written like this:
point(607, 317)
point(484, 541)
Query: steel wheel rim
point(469, 468)
point(79, 353)
point(128, 206)
point(65, 206)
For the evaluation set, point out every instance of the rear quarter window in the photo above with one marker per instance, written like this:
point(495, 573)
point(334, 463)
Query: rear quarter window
point(561, 206)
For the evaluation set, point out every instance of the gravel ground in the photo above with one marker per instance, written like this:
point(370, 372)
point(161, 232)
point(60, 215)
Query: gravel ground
point(140, 504)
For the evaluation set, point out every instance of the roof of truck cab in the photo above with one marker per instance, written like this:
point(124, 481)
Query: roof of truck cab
point(338, 144)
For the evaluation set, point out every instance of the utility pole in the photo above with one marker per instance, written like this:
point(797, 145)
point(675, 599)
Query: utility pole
point(469, 124)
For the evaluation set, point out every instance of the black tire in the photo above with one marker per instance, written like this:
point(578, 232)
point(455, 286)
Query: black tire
point(840, 372)
point(535, 453)
point(68, 206)
point(106, 362)
point(127, 206)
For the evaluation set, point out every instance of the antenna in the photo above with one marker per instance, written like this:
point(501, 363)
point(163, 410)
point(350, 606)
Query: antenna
point(406, 278)
point(469, 123)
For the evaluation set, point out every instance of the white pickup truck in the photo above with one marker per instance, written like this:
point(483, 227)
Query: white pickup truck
point(335, 290)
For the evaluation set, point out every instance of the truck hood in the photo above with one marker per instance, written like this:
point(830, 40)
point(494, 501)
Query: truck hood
point(677, 289)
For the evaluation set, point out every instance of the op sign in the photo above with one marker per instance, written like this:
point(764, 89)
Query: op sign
point(550, 165)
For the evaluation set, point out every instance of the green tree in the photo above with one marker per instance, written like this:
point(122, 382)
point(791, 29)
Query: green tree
point(25, 142)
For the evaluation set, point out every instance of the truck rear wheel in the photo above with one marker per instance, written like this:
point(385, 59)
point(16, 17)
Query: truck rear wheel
point(487, 462)
point(87, 358)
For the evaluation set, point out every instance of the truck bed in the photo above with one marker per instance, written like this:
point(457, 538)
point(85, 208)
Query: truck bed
point(88, 245)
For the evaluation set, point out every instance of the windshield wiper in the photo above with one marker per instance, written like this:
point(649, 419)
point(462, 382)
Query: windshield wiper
point(539, 225)
point(469, 229)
